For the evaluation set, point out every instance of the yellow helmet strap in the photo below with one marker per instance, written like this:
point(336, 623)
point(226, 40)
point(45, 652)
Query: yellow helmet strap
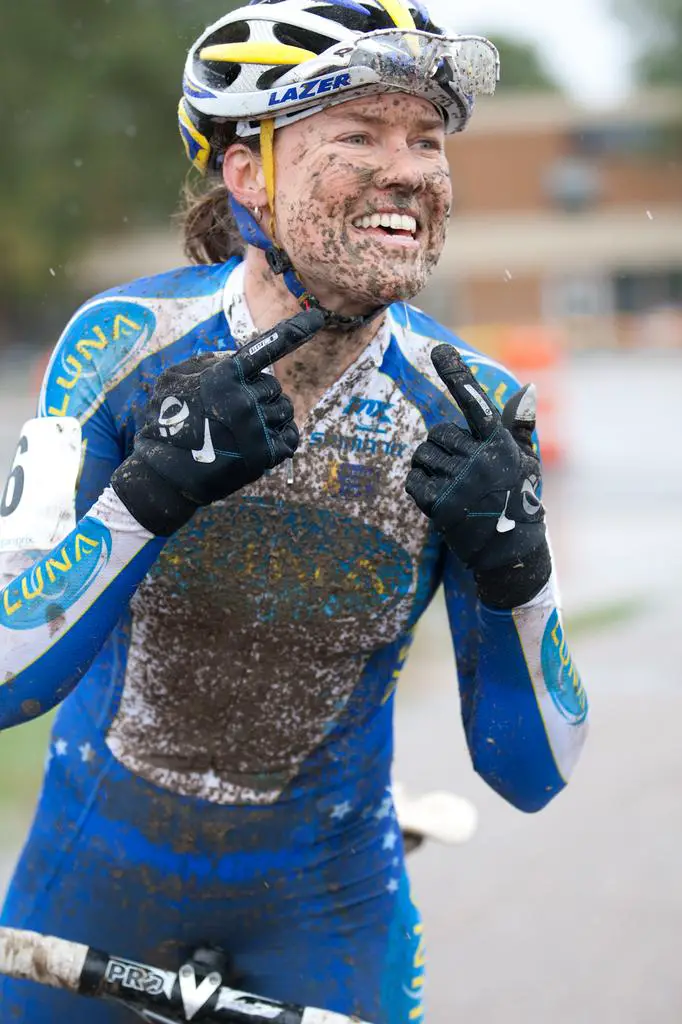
point(267, 150)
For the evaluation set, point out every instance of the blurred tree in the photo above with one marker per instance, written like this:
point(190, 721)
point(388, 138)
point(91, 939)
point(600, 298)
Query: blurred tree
point(658, 26)
point(91, 143)
point(521, 66)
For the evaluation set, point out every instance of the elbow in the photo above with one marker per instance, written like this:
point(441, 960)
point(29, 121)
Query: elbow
point(528, 784)
point(523, 768)
point(526, 797)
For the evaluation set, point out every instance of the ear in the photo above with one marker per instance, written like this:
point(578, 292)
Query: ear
point(243, 176)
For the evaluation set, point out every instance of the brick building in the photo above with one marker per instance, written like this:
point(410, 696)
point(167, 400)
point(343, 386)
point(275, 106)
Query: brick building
point(567, 216)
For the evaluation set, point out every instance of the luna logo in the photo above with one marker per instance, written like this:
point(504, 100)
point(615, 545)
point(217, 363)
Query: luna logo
point(307, 90)
point(416, 989)
point(561, 676)
point(398, 668)
point(59, 579)
point(309, 563)
point(97, 343)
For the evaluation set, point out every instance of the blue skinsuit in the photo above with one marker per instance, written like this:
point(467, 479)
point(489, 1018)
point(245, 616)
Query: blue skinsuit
point(220, 773)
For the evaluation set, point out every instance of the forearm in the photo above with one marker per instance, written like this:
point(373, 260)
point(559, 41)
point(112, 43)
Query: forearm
point(528, 718)
point(56, 615)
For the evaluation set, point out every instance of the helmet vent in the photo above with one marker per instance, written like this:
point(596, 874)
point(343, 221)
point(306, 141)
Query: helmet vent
point(374, 17)
point(236, 32)
point(218, 74)
point(352, 17)
point(293, 35)
point(270, 77)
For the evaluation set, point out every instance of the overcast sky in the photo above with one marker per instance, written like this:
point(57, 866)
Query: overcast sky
point(588, 50)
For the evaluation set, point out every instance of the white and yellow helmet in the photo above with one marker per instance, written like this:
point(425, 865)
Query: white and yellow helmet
point(274, 61)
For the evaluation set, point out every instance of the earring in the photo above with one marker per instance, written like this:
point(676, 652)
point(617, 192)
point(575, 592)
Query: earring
point(257, 214)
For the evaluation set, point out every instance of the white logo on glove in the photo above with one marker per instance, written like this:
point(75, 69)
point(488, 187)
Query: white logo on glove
point(207, 452)
point(529, 499)
point(172, 416)
point(504, 523)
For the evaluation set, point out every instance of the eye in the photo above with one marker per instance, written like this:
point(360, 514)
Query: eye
point(357, 139)
point(435, 145)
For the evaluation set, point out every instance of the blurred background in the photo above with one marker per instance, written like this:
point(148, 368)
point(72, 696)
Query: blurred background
point(565, 261)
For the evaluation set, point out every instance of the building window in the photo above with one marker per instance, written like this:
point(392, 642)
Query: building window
point(577, 295)
point(573, 184)
point(617, 139)
point(648, 290)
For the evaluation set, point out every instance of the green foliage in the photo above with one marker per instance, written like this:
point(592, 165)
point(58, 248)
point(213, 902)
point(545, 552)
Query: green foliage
point(521, 67)
point(22, 756)
point(88, 121)
point(658, 29)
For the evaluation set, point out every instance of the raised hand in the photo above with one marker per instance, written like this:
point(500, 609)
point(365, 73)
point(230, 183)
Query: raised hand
point(214, 424)
point(480, 486)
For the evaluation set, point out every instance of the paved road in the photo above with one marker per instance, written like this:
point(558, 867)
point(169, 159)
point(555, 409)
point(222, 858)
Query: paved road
point(574, 916)
point(571, 916)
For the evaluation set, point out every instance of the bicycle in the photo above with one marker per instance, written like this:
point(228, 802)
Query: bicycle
point(198, 990)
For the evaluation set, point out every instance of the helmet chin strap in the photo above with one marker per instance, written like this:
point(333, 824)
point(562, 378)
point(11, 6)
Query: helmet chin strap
point(278, 259)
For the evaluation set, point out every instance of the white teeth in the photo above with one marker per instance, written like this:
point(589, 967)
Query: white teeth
point(395, 221)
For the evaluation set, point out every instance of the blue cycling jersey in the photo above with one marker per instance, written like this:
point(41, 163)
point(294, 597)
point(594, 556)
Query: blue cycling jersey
point(231, 688)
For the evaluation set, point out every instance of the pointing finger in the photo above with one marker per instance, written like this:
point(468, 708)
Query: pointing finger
point(479, 411)
point(285, 337)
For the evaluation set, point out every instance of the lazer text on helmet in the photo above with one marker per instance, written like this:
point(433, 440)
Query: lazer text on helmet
point(309, 89)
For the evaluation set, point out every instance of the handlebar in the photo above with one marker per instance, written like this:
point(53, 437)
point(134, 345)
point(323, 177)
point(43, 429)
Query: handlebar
point(165, 997)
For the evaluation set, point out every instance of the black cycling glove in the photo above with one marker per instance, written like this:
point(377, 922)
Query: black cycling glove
point(479, 487)
point(214, 424)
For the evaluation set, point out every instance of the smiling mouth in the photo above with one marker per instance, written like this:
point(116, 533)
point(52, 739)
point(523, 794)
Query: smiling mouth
point(400, 226)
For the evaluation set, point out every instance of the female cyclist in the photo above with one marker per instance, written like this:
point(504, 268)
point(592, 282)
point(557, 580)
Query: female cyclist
point(276, 461)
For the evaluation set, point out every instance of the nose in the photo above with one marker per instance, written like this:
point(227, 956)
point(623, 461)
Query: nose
point(402, 169)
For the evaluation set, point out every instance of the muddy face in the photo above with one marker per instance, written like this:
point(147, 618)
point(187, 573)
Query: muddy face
point(341, 174)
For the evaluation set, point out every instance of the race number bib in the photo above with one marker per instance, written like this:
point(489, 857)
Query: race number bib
point(37, 508)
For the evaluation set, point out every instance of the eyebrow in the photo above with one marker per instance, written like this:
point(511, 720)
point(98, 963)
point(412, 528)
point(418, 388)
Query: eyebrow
point(422, 125)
